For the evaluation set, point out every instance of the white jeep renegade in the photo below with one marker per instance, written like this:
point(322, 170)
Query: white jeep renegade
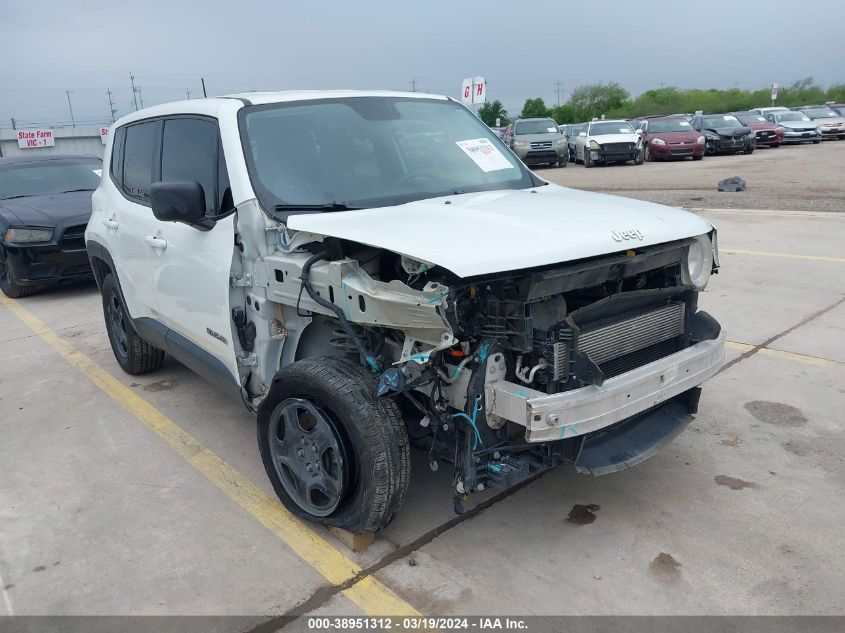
point(361, 268)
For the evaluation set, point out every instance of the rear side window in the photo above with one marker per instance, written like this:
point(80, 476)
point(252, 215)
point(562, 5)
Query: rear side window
point(139, 148)
point(189, 152)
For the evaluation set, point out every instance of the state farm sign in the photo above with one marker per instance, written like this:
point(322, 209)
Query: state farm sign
point(28, 139)
point(104, 135)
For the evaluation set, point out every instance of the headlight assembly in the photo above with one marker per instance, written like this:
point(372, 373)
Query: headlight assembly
point(751, 134)
point(520, 143)
point(560, 141)
point(27, 236)
point(594, 145)
point(699, 140)
point(658, 141)
point(698, 263)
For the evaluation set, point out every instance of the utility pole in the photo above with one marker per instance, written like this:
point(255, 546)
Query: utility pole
point(70, 107)
point(111, 106)
point(140, 96)
point(413, 83)
point(188, 92)
point(202, 79)
point(134, 90)
point(558, 89)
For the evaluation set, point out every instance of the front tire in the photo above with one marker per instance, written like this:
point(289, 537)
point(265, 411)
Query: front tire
point(134, 355)
point(9, 286)
point(588, 162)
point(334, 452)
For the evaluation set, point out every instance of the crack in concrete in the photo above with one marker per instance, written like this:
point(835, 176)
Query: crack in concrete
point(789, 330)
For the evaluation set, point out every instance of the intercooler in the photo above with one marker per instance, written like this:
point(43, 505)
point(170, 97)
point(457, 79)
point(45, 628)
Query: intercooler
point(648, 333)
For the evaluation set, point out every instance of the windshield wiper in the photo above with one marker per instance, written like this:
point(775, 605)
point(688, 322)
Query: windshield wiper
point(75, 190)
point(329, 206)
point(23, 195)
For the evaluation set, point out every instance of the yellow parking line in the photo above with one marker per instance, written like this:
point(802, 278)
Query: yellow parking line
point(373, 597)
point(798, 358)
point(818, 258)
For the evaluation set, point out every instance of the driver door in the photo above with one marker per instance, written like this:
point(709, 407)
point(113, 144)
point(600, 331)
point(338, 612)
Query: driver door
point(192, 271)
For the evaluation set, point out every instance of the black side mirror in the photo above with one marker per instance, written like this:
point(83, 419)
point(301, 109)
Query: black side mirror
point(180, 201)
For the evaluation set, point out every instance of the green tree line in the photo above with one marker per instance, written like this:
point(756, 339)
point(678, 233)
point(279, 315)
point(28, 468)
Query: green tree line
point(613, 101)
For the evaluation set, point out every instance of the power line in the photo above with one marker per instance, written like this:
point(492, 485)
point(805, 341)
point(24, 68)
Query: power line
point(140, 96)
point(413, 83)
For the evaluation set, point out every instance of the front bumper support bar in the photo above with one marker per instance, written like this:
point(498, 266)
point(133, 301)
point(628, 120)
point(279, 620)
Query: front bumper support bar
point(592, 408)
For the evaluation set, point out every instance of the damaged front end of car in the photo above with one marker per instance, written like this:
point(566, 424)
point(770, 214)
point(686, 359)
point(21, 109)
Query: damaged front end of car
point(595, 363)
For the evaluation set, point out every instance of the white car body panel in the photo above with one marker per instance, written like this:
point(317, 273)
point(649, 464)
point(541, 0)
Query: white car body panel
point(482, 233)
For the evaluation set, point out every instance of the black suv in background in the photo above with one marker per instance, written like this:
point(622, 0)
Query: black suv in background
point(45, 204)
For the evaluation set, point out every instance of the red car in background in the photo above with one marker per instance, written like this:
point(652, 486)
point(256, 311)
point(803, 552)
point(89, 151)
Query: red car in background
point(670, 137)
point(767, 133)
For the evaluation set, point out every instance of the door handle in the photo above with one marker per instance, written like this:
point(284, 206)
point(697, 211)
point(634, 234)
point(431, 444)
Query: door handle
point(157, 243)
point(111, 223)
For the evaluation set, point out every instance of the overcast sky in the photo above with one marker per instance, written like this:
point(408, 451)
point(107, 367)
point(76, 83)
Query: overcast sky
point(522, 48)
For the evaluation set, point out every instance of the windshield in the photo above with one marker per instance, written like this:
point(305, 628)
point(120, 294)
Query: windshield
point(610, 127)
point(48, 178)
point(751, 117)
point(542, 126)
point(722, 120)
point(821, 113)
point(372, 151)
point(791, 116)
point(668, 125)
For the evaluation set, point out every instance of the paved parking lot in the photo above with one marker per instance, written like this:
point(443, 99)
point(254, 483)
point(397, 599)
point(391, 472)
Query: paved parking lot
point(146, 495)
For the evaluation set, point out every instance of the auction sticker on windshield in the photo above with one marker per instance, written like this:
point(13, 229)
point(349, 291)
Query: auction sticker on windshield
point(486, 155)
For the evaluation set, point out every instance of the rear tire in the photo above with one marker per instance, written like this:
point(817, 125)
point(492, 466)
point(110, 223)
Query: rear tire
point(134, 355)
point(372, 460)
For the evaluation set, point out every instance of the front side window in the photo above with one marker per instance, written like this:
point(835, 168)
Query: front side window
point(139, 146)
point(49, 178)
point(189, 152)
point(371, 151)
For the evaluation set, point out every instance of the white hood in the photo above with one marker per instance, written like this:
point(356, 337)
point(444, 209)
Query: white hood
point(481, 233)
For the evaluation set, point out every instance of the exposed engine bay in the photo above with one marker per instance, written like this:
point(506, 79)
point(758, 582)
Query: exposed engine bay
point(480, 366)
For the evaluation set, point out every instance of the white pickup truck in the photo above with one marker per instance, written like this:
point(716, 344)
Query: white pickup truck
point(367, 270)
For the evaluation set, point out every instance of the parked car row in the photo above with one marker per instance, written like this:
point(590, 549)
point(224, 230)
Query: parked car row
point(540, 141)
